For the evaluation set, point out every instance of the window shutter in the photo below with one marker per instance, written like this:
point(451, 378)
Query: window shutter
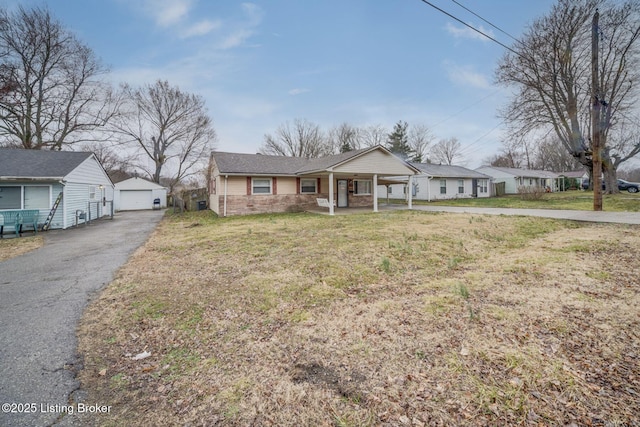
point(319, 186)
point(275, 185)
point(248, 186)
point(298, 185)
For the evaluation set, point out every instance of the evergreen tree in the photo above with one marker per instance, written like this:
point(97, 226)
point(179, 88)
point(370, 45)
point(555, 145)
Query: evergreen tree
point(398, 140)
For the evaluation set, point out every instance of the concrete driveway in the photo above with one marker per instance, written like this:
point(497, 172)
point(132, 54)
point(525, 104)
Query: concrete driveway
point(42, 296)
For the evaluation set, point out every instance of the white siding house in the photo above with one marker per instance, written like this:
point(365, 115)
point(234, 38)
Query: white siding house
point(514, 178)
point(139, 194)
point(438, 182)
point(34, 179)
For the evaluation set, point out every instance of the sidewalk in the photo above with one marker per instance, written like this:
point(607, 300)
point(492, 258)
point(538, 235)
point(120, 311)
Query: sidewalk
point(588, 216)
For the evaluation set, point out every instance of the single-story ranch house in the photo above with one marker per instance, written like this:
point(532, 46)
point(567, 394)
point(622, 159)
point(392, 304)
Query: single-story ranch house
point(35, 179)
point(437, 182)
point(256, 183)
point(515, 178)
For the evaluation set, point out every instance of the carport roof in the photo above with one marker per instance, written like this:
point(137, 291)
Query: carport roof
point(19, 163)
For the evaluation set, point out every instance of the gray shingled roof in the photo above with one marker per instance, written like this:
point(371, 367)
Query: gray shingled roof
point(260, 164)
point(448, 171)
point(324, 163)
point(257, 164)
point(524, 173)
point(19, 163)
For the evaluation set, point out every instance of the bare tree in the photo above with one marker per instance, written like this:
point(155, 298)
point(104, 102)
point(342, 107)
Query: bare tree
point(551, 69)
point(53, 92)
point(550, 155)
point(373, 135)
point(344, 137)
point(302, 139)
point(446, 151)
point(420, 139)
point(171, 130)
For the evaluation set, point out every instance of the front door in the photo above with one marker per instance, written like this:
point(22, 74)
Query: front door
point(343, 193)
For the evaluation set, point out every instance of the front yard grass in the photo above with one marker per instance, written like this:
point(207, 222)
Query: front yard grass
point(572, 200)
point(398, 318)
point(13, 246)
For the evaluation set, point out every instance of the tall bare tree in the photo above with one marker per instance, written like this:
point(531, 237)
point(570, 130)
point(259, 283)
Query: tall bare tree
point(300, 139)
point(373, 135)
point(446, 151)
point(344, 137)
point(550, 68)
point(170, 128)
point(52, 88)
point(420, 140)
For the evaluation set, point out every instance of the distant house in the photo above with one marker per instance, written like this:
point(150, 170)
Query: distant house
point(139, 194)
point(573, 179)
point(255, 183)
point(515, 178)
point(34, 179)
point(438, 182)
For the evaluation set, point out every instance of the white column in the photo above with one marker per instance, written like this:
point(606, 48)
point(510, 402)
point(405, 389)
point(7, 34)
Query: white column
point(410, 191)
point(331, 193)
point(375, 193)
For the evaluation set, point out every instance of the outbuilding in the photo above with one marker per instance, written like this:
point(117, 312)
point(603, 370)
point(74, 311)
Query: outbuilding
point(139, 194)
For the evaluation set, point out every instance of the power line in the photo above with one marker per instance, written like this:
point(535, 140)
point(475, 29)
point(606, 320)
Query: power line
point(471, 27)
point(480, 17)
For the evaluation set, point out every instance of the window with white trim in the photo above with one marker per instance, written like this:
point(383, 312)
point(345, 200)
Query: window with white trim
point(308, 186)
point(260, 185)
point(92, 192)
point(483, 184)
point(460, 186)
point(361, 187)
point(443, 186)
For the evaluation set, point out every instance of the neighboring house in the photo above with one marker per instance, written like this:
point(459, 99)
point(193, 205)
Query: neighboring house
point(515, 178)
point(139, 194)
point(33, 179)
point(256, 183)
point(437, 182)
point(573, 179)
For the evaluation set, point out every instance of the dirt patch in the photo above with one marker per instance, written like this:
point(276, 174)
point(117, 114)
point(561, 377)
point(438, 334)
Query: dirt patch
point(403, 318)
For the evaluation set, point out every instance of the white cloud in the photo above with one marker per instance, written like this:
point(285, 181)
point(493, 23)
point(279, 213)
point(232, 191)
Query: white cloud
point(466, 76)
point(201, 28)
point(468, 33)
point(298, 91)
point(167, 13)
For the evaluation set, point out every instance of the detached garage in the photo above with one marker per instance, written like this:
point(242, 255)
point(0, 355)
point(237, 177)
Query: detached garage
point(138, 194)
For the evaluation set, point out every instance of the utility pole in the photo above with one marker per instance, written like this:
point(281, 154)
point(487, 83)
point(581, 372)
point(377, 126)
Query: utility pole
point(596, 122)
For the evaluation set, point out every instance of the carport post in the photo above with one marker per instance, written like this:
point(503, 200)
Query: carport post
point(375, 192)
point(331, 193)
point(410, 202)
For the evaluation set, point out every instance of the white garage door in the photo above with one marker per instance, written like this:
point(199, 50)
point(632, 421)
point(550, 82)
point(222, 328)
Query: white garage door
point(135, 199)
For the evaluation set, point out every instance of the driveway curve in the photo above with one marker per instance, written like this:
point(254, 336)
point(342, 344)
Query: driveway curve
point(42, 297)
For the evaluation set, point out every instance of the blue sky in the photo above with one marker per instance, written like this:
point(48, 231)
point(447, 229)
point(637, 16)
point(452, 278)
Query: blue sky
point(261, 63)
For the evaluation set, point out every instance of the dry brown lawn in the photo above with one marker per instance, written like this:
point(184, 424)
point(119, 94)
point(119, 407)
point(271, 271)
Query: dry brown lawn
point(402, 318)
point(13, 247)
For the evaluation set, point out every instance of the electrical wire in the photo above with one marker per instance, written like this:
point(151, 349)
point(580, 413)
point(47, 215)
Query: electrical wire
point(480, 17)
point(471, 27)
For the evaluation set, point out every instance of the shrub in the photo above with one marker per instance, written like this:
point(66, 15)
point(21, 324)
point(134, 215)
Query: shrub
point(531, 192)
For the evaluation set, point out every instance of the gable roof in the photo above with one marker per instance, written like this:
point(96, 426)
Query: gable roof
point(448, 171)
point(137, 183)
point(260, 164)
point(256, 164)
point(520, 173)
point(20, 163)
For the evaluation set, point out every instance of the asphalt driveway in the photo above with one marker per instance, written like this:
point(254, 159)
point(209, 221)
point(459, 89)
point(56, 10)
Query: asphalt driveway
point(42, 296)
